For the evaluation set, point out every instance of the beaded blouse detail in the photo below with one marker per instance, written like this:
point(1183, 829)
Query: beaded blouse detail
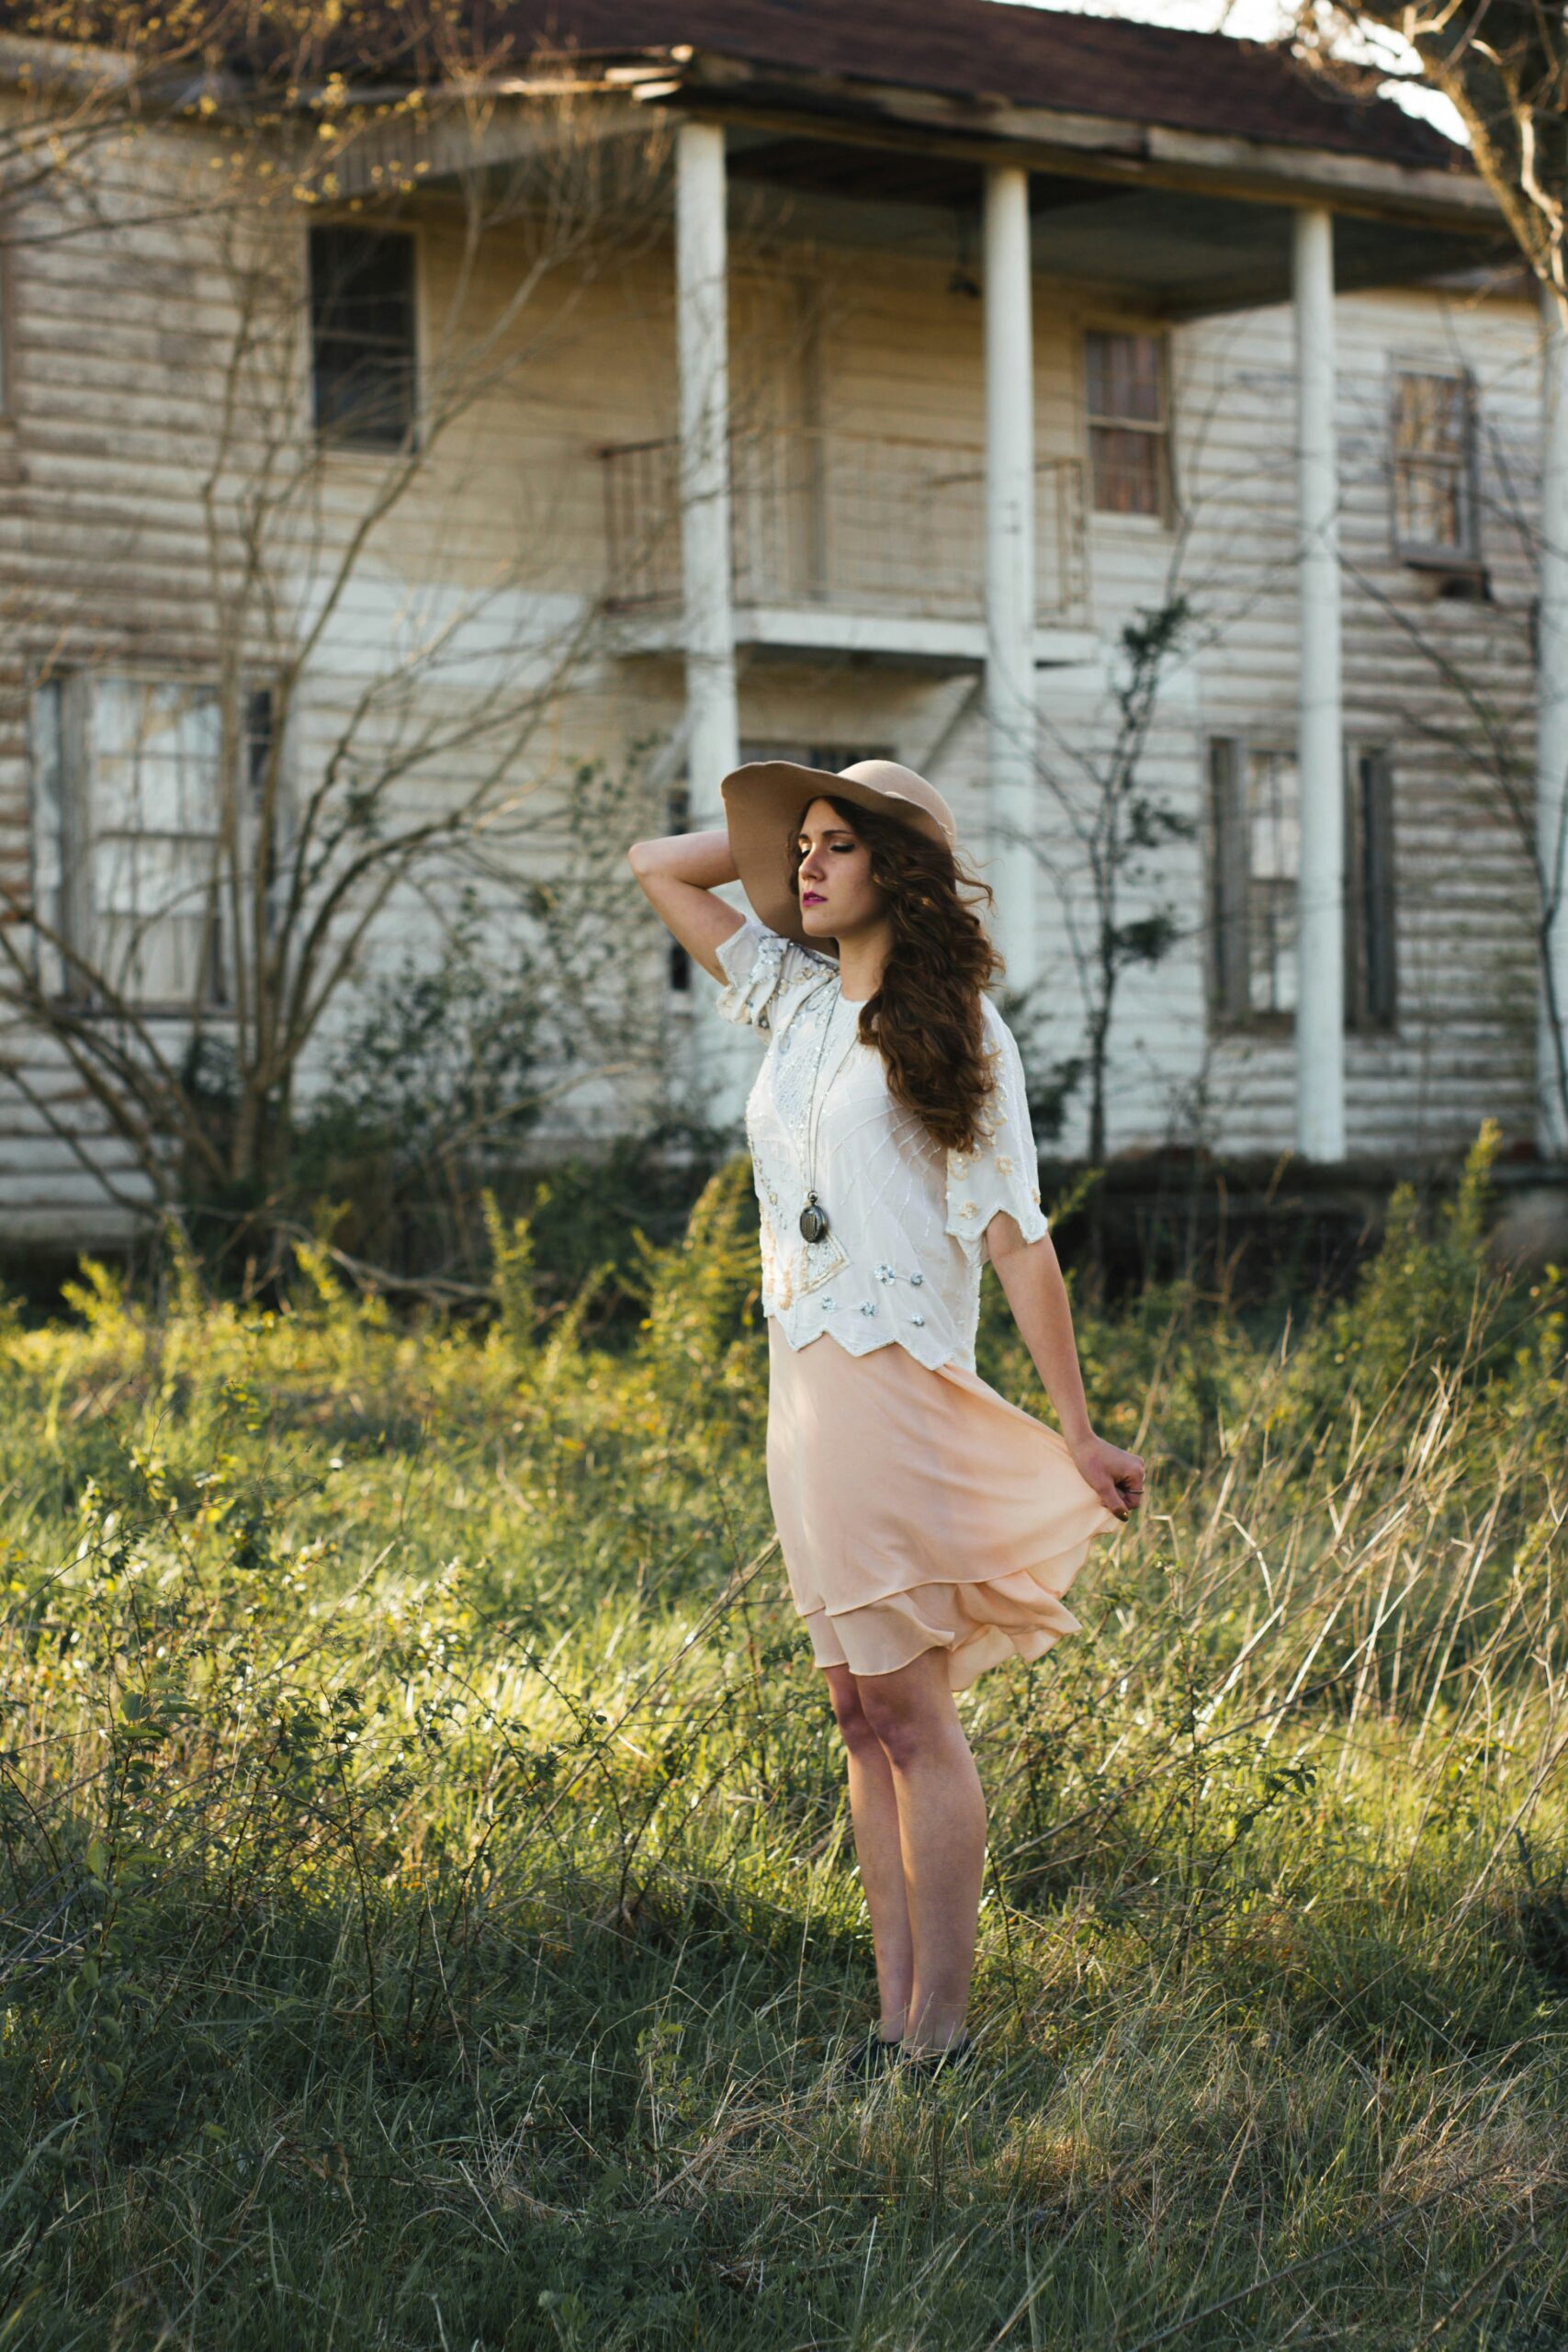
point(905, 1214)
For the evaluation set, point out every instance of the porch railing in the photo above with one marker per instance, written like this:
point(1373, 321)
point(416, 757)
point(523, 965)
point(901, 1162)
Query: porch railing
point(857, 522)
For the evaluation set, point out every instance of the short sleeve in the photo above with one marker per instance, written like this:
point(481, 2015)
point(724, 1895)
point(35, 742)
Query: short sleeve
point(760, 965)
point(1003, 1169)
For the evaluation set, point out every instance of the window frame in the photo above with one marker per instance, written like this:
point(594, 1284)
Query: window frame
point(331, 441)
point(64, 836)
point(1162, 515)
point(1425, 555)
point(1371, 893)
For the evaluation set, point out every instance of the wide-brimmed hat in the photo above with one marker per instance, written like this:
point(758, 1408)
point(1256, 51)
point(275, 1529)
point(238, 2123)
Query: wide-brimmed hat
point(764, 799)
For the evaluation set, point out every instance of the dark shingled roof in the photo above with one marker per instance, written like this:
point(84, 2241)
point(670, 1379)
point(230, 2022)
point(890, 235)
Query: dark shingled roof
point(970, 53)
point(983, 49)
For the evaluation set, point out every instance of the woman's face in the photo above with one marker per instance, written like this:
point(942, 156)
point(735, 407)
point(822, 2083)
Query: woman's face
point(838, 895)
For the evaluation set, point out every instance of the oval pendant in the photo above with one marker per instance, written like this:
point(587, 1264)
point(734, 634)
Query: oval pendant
point(813, 1220)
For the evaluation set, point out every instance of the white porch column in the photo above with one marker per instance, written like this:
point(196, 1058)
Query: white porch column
point(1010, 709)
point(1320, 918)
point(1551, 722)
point(702, 340)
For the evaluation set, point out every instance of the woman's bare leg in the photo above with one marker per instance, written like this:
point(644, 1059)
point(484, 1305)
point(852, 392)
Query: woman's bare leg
point(942, 1834)
point(873, 1810)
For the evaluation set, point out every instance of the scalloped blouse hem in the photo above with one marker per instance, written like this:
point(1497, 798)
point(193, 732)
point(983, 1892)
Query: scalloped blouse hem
point(855, 1338)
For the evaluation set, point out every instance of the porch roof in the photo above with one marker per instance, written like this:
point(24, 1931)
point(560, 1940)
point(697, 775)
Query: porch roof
point(991, 56)
point(1164, 163)
point(1113, 93)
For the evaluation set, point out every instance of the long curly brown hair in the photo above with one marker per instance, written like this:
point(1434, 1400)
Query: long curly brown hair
point(926, 1017)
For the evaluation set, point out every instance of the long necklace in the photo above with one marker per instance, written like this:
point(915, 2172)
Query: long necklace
point(813, 1216)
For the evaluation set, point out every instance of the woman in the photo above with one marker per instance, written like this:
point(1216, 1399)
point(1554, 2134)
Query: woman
point(929, 1527)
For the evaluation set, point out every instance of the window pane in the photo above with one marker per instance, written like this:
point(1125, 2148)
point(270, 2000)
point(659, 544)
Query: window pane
point(152, 898)
point(362, 330)
point(1432, 461)
point(1430, 412)
point(156, 813)
point(1273, 864)
point(156, 750)
point(163, 964)
point(1127, 471)
point(1123, 374)
point(1429, 506)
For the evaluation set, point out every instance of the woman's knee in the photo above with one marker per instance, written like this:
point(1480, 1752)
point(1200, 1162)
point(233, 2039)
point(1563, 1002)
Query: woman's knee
point(910, 1716)
point(843, 1693)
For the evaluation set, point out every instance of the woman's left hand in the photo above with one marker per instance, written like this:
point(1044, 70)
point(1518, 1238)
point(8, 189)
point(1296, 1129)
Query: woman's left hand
point(1117, 1478)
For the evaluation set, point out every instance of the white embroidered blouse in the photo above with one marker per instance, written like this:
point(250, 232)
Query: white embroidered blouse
point(900, 1261)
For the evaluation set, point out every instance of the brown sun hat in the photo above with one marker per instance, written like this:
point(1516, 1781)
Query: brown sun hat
point(763, 799)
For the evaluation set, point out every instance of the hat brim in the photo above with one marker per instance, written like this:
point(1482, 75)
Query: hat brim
point(763, 799)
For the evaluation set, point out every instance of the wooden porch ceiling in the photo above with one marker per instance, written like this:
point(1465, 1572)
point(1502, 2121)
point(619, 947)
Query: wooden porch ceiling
point(1179, 252)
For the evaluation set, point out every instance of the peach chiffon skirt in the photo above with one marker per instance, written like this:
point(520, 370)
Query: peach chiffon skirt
point(917, 1510)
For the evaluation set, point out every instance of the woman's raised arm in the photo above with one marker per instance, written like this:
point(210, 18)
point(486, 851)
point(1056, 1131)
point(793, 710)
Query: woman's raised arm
point(679, 876)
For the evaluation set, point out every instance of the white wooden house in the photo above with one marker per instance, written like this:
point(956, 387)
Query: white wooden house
point(945, 339)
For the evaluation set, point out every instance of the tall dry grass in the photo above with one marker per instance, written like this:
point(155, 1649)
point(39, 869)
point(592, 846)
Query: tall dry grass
point(428, 1902)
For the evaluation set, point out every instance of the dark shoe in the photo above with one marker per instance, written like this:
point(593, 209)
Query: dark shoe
point(926, 2066)
point(865, 2059)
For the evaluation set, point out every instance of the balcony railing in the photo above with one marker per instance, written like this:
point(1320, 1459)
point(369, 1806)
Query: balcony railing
point(857, 522)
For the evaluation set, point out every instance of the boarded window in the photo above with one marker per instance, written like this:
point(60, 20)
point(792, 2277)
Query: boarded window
point(1434, 466)
point(132, 870)
point(363, 342)
point(1128, 423)
point(1253, 873)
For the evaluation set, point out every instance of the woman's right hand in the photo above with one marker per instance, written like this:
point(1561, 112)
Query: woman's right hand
point(1116, 1476)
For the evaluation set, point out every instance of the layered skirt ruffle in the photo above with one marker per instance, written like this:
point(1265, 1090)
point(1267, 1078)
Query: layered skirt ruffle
point(917, 1510)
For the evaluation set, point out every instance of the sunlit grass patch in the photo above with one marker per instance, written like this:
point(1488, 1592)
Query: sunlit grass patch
point(430, 1915)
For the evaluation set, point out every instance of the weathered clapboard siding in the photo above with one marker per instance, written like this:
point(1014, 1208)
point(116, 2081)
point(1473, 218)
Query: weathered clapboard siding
point(121, 343)
point(1461, 1048)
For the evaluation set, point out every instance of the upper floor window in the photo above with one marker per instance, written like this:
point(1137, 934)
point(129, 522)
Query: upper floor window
point(1434, 517)
point(134, 839)
point(1128, 422)
point(362, 338)
point(1254, 882)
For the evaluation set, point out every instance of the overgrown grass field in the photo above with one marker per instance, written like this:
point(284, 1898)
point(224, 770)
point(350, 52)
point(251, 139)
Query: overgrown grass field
point(428, 1907)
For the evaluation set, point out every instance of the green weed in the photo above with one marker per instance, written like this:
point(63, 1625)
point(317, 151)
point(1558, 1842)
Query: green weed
point(428, 1900)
